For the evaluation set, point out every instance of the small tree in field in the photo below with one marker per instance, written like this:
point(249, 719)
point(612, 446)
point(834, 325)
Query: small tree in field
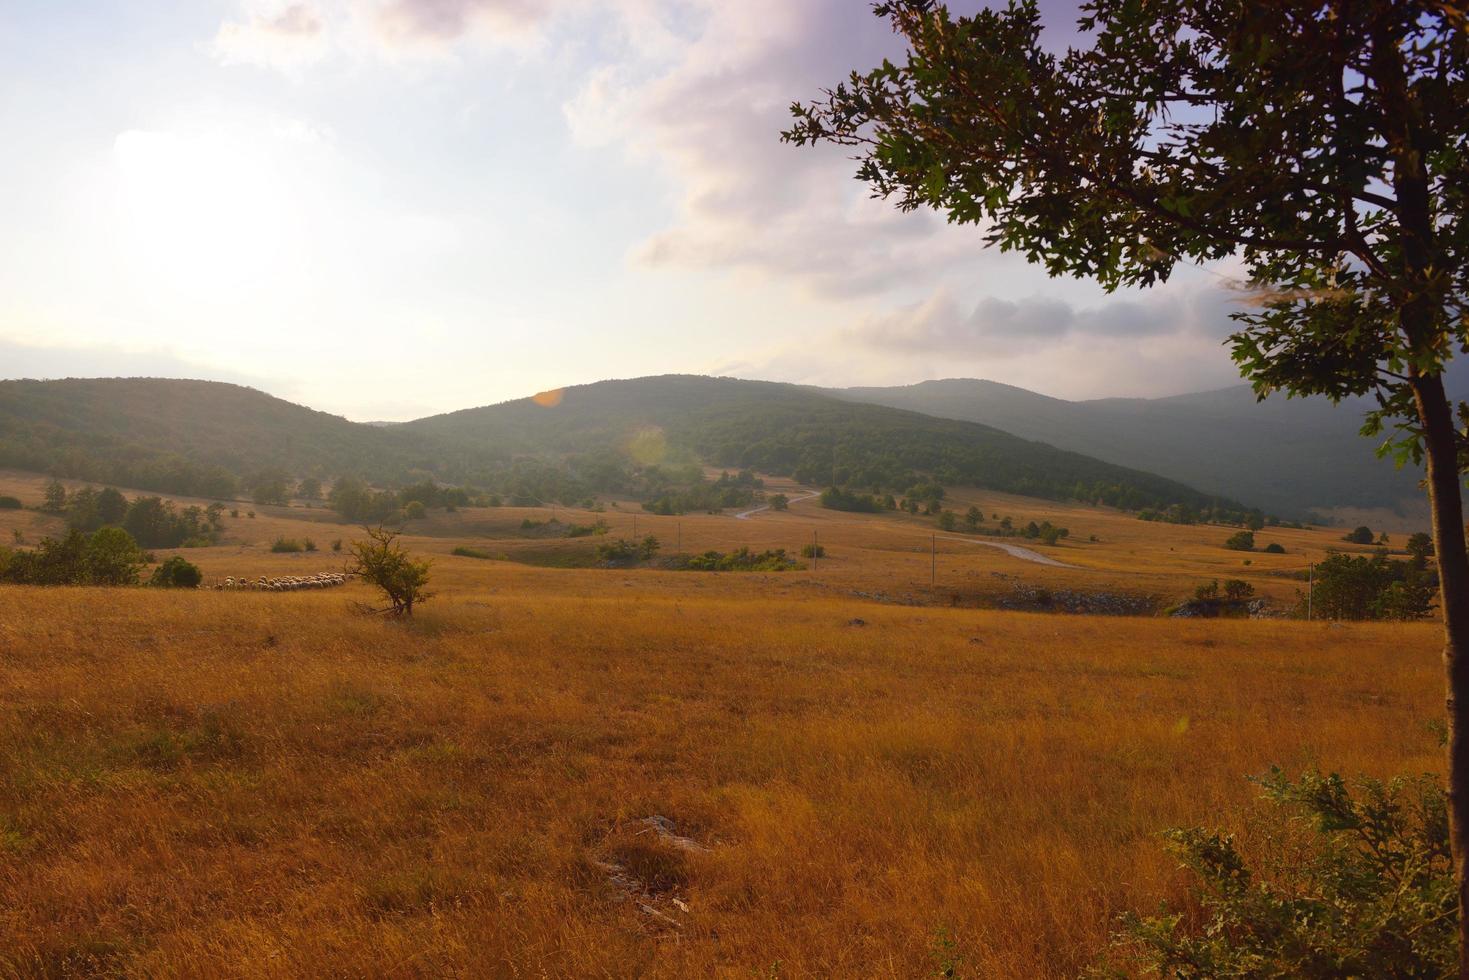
point(1321, 143)
point(382, 562)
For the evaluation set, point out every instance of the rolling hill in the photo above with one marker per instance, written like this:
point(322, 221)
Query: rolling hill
point(792, 431)
point(1291, 456)
point(190, 437)
point(209, 438)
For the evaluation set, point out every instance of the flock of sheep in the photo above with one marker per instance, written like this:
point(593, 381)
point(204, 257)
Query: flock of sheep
point(283, 583)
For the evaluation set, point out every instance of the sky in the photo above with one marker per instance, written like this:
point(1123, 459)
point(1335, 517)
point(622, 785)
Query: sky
point(391, 208)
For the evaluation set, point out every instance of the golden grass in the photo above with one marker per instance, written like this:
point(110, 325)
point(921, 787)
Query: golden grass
point(206, 783)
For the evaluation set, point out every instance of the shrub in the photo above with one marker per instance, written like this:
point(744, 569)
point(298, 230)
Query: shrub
point(287, 546)
point(309, 545)
point(780, 501)
point(623, 552)
point(176, 573)
point(414, 510)
point(1361, 887)
point(813, 551)
point(10, 503)
point(465, 552)
point(1361, 535)
point(743, 560)
point(380, 561)
point(1241, 541)
point(1275, 548)
point(337, 545)
point(1237, 590)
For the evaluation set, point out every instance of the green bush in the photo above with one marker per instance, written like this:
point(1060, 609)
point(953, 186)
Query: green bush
point(813, 551)
point(1241, 541)
point(623, 552)
point(414, 510)
point(10, 503)
point(743, 560)
point(287, 546)
point(1341, 886)
point(1275, 548)
point(464, 552)
point(176, 573)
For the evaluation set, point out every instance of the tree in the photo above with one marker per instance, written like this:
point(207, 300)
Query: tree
point(54, 498)
point(972, 518)
point(1321, 143)
point(1359, 535)
point(947, 520)
point(382, 562)
point(271, 487)
point(414, 510)
point(780, 501)
point(112, 506)
point(1420, 547)
point(309, 488)
point(112, 557)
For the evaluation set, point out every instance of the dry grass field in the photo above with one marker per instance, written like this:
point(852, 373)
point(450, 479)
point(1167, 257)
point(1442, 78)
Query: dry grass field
point(272, 785)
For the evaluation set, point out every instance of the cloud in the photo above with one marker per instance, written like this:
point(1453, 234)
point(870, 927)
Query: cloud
point(286, 37)
point(441, 21)
point(941, 323)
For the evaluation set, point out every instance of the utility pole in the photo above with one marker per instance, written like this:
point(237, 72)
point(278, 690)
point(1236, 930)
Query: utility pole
point(815, 549)
point(933, 560)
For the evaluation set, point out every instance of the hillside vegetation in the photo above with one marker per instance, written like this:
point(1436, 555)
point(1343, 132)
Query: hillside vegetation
point(1285, 455)
point(645, 438)
point(785, 430)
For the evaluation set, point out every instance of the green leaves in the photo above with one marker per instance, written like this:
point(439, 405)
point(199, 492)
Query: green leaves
point(1344, 885)
point(1323, 144)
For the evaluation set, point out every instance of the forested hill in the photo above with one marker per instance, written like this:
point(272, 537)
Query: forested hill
point(786, 430)
point(203, 438)
point(216, 440)
point(1287, 455)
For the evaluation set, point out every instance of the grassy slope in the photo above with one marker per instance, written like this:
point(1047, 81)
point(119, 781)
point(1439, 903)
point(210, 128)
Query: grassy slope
point(263, 785)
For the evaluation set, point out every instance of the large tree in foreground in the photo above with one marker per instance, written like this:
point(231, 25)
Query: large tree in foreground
point(1324, 144)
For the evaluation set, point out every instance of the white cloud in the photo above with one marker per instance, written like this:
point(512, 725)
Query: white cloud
point(286, 36)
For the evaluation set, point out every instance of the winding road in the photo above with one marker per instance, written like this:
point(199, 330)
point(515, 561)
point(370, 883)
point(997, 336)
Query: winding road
point(1013, 550)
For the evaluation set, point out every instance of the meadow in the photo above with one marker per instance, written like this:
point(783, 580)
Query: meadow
point(267, 785)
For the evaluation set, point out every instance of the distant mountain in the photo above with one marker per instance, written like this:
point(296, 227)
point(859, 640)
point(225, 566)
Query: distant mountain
point(1290, 456)
point(788, 430)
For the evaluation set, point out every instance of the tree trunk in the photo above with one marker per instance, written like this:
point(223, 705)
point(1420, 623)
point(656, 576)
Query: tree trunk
point(1441, 446)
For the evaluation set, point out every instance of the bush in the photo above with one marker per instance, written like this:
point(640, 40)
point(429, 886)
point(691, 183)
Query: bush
point(287, 546)
point(309, 545)
point(1241, 541)
point(1361, 535)
point(623, 552)
point(382, 562)
point(10, 503)
point(465, 552)
point(1351, 887)
point(743, 560)
point(1275, 548)
point(1238, 590)
point(176, 573)
point(813, 551)
point(337, 545)
point(414, 510)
